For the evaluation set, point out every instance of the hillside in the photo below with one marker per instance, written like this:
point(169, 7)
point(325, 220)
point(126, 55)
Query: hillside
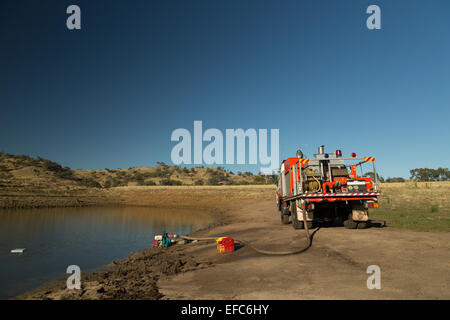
point(26, 173)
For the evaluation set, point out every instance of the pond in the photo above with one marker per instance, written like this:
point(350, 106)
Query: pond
point(88, 237)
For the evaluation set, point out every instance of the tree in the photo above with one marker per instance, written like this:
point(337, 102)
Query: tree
point(427, 174)
point(395, 179)
point(372, 175)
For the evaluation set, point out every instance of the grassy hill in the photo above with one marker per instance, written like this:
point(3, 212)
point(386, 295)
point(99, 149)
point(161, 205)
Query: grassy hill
point(27, 173)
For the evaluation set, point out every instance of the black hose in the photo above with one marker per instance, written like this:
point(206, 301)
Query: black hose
point(265, 252)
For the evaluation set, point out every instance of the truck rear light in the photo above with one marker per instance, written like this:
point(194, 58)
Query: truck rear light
point(370, 204)
point(376, 205)
point(309, 207)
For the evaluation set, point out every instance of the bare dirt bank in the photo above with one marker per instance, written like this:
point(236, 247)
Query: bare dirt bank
point(414, 265)
point(150, 196)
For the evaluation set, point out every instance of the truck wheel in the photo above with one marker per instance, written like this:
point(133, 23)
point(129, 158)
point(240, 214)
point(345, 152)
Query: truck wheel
point(349, 223)
point(284, 215)
point(362, 225)
point(295, 223)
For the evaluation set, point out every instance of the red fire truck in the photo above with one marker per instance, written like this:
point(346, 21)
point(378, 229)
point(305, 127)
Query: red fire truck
point(326, 188)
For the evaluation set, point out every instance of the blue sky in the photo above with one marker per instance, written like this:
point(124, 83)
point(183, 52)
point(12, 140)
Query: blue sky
point(110, 94)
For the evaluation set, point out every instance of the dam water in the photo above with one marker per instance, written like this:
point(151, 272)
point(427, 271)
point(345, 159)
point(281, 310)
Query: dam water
point(87, 237)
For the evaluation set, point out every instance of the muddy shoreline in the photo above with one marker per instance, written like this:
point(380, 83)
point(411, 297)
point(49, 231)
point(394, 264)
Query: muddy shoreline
point(134, 277)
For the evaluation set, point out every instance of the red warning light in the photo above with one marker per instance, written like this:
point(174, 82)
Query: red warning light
point(338, 153)
point(353, 154)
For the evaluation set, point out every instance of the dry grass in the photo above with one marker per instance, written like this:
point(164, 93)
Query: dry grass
point(191, 196)
point(153, 196)
point(423, 206)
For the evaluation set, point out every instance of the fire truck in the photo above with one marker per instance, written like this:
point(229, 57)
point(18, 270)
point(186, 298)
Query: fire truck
point(326, 189)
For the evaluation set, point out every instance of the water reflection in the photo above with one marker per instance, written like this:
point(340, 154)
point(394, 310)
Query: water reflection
point(88, 237)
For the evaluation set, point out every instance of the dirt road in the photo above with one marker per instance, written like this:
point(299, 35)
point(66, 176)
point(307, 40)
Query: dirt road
point(414, 265)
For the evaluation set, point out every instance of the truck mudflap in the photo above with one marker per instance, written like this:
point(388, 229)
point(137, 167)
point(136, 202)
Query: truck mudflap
point(359, 212)
point(301, 206)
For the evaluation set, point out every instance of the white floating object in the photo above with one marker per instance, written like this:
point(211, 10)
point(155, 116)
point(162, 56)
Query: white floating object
point(18, 250)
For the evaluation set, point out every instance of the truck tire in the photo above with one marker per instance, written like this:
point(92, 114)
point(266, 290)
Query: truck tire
point(349, 223)
point(284, 215)
point(362, 225)
point(295, 223)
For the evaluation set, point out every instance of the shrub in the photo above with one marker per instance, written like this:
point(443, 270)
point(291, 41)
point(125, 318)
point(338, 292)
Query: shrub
point(116, 182)
point(240, 183)
point(91, 183)
point(139, 179)
point(170, 182)
point(163, 172)
point(121, 173)
point(199, 182)
point(259, 180)
point(214, 181)
point(108, 183)
point(5, 175)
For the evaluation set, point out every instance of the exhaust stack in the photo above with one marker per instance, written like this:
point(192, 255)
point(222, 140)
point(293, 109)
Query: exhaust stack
point(322, 149)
